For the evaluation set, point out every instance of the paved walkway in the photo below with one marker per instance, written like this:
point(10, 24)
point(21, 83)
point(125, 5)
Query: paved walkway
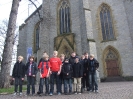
point(108, 90)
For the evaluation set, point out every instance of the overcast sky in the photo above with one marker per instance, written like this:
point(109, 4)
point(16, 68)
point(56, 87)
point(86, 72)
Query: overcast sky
point(24, 7)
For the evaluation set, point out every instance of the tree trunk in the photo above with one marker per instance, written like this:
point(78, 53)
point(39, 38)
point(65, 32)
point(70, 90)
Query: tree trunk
point(8, 47)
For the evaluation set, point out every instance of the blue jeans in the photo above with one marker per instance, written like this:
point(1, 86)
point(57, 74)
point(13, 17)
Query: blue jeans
point(30, 81)
point(46, 85)
point(67, 81)
point(54, 76)
point(93, 84)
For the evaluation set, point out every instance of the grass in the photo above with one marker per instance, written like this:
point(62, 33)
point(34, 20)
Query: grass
point(10, 90)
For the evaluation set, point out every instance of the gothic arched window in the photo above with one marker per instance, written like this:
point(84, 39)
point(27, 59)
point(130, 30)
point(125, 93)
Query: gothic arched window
point(36, 42)
point(106, 23)
point(64, 17)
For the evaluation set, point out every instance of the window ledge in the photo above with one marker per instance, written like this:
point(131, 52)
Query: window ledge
point(108, 40)
point(91, 40)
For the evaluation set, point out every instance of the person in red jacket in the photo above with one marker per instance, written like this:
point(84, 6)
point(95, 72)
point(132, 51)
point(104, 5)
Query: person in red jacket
point(55, 72)
point(44, 68)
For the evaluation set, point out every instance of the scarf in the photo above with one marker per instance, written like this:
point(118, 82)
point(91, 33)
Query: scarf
point(42, 69)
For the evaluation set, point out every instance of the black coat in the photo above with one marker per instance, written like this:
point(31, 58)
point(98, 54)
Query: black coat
point(18, 70)
point(61, 74)
point(85, 65)
point(67, 68)
point(93, 65)
point(72, 60)
point(33, 68)
point(77, 70)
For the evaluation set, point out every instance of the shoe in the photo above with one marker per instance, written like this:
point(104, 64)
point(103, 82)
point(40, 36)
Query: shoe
point(87, 89)
point(20, 94)
point(59, 93)
point(90, 90)
point(66, 93)
point(15, 93)
point(51, 94)
point(96, 91)
point(79, 93)
point(40, 94)
point(75, 92)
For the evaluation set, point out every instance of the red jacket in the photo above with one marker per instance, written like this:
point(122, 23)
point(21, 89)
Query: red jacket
point(45, 70)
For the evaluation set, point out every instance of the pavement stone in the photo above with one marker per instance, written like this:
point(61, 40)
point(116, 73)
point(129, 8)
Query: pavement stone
point(107, 90)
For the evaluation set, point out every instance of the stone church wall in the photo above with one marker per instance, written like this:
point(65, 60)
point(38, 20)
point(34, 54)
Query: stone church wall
point(123, 41)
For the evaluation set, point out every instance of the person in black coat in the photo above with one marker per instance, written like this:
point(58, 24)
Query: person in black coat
point(92, 67)
point(18, 75)
point(62, 57)
point(77, 75)
point(85, 79)
point(72, 58)
point(31, 71)
point(67, 75)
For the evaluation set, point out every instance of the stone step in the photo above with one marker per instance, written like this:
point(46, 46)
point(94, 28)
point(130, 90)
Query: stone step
point(114, 79)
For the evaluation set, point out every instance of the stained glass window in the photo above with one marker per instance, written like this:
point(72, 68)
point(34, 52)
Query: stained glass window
point(106, 23)
point(37, 38)
point(64, 15)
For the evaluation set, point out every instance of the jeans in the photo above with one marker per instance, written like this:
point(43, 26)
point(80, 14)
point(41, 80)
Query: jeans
point(46, 85)
point(93, 84)
point(54, 76)
point(30, 81)
point(18, 81)
point(67, 81)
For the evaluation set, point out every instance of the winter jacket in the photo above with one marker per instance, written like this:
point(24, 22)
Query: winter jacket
point(61, 74)
point(67, 68)
point(77, 70)
point(72, 60)
point(85, 65)
point(18, 70)
point(33, 68)
point(93, 65)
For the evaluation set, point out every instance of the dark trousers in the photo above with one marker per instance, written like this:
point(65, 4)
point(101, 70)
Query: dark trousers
point(93, 84)
point(30, 82)
point(46, 85)
point(67, 81)
point(85, 82)
point(54, 76)
point(18, 81)
point(61, 81)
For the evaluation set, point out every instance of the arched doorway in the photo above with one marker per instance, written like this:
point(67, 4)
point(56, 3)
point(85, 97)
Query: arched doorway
point(111, 62)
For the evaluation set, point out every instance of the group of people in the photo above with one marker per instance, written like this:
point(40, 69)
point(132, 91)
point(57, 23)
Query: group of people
point(79, 72)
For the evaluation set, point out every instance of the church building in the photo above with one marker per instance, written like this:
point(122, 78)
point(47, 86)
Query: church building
point(100, 27)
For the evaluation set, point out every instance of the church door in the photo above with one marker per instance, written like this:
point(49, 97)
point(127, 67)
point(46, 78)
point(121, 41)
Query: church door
point(112, 68)
point(112, 64)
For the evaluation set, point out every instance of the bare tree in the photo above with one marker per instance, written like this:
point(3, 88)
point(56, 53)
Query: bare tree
point(8, 47)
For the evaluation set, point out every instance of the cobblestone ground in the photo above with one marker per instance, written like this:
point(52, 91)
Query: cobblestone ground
point(108, 90)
